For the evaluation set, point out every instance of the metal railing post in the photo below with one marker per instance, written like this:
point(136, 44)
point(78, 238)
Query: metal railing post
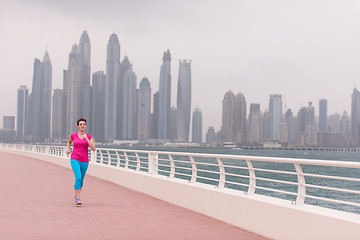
point(252, 179)
point(193, 169)
point(153, 159)
point(137, 161)
point(222, 173)
point(93, 156)
point(172, 166)
point(126, 160)
point(300, 199)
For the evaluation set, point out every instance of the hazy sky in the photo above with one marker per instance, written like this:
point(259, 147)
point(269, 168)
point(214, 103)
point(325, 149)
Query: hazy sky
point(304, 50)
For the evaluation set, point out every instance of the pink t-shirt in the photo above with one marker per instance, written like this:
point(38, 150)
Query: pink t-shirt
point(80, 148)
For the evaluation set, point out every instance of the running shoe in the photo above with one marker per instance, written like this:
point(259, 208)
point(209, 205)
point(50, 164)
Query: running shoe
point(77, 201)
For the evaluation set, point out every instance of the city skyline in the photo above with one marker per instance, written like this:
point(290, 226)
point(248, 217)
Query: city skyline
point(249, 54)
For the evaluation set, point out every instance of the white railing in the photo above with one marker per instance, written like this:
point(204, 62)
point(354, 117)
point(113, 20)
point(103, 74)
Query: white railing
point(328, 183)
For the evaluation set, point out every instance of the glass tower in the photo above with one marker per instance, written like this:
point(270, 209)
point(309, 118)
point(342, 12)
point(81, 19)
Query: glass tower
point(275, 111)
point(183, 101)
point(197, 126)
point(322, 115)
point(164, 97)
point(111, 90)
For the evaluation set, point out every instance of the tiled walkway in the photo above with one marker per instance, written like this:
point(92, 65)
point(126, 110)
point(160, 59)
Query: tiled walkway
point(36, 202)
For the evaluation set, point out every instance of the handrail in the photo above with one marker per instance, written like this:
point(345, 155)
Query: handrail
point(284, 178)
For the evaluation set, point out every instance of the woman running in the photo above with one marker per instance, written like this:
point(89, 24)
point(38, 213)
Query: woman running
point(79, 156)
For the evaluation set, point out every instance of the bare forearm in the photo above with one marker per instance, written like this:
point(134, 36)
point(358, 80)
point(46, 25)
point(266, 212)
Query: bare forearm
point(92, 144)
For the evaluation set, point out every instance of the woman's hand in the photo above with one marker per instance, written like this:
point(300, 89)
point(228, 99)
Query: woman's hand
point(67, 151)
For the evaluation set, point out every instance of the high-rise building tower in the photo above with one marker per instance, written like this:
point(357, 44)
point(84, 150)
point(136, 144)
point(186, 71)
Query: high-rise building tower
point(306, 126)
point(35, 100)
point(155, 117)
point(323, 115)
point(129, 124)
point(291, 124)
point(124, 67)
point(46, 91)
point(254, 123)
point(22, 106)
point(9, 122)
point(164, 97)
point(240, 118)
point(197, 126)
point(266, 126)
point(210, 135)
point(334, 122)
point(85, 92)
point(87, 102)
point(57, 113)
point(345, 124)
point(40, 100)
point(72, 90)
point(226, 133)
point(355, 115)
point(98, 110)
point(275, 110)
point(85, 58)
point(111, 92)
point(172, 124)
point(183, 101)
point(144, 110)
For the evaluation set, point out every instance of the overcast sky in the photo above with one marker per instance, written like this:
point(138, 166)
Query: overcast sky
point(304, 50)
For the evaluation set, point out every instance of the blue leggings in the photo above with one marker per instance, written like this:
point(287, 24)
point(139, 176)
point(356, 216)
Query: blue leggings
point(79, 169)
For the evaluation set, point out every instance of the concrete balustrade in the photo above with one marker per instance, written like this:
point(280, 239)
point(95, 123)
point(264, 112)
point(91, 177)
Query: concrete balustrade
point(267, 216)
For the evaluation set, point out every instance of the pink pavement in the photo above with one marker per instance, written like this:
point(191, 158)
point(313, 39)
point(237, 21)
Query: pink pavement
point(37, 202)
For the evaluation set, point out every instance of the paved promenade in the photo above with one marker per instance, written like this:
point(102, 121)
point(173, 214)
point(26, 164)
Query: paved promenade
point(37, 202)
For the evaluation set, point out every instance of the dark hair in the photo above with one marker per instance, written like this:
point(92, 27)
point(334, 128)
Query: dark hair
point(80, 120)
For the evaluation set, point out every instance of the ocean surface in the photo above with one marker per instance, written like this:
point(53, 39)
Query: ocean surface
point(351, 156)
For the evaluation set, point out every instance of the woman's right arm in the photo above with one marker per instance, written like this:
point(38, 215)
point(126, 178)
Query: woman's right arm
point(68, 145)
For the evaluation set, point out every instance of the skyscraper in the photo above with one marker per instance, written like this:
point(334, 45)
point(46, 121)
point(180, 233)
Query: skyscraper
point(183, 101)
point(275, 110)
point(155, 117)
point(291, 124)
point(57, 113)
point(87, 102)
point(164, 97)
point(226, 133)
point(72, 90)
point(355, 115)
point(111, 92)
point(266, 126)
point(124, 67)
point(306, 125)
point(144, 110)
point(197, 126)
point(254, 123)
point(40, 100)
point(345, 124)
point(129, 124)
point(240, 118)
point(172, 124)
point(46, 91)
point(210, 135)
point(85, 58)
point(323, 115)
point(22, 105)
point(98, 110)
point(35, 100)
point(9, 122)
